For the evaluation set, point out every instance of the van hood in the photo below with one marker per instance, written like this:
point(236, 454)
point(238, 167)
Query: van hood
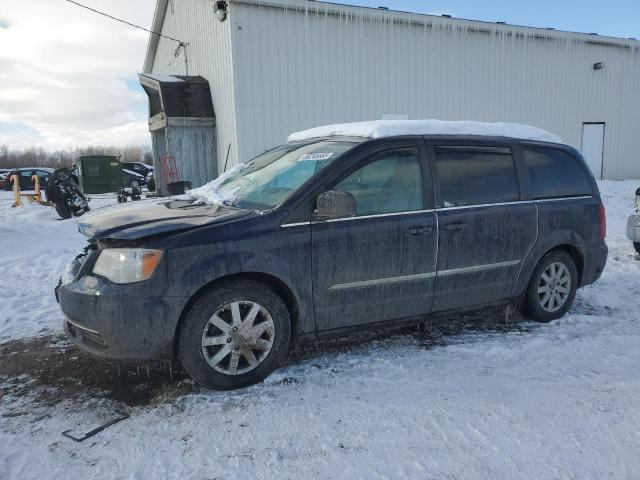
point(146, 218)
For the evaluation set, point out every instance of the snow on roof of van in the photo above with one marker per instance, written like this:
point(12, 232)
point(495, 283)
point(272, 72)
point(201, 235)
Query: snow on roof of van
point(392, 128)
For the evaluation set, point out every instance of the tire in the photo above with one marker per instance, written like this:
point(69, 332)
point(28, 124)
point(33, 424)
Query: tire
point(213, 366)
point(535, 307)
point(636, 245)
point(63, 209)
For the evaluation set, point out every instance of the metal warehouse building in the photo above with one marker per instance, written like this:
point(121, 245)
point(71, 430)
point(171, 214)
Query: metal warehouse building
point(277, 66)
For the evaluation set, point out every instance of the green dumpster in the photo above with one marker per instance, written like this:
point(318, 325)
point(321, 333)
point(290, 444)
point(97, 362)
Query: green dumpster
point(99, 173)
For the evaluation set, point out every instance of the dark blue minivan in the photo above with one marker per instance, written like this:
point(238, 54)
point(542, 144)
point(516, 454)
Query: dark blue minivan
point(323, 236)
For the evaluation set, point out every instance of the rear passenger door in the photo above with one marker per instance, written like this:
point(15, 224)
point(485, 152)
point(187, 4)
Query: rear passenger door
point(486, 225)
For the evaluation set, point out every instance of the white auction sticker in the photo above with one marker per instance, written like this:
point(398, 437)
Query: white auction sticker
point(315, 157)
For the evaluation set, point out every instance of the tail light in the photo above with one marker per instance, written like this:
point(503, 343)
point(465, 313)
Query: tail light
point(603, 221)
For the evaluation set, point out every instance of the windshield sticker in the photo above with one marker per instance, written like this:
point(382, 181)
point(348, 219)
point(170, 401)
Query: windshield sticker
point(315, 157)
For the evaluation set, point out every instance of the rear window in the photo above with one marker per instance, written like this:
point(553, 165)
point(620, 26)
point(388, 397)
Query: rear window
point(555, 173)
point(476, 175)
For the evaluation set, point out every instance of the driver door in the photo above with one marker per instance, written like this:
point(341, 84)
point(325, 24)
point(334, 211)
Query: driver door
point(380, 264)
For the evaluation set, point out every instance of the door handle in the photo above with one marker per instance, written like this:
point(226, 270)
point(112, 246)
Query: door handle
point(455, 227)
point(419, 229)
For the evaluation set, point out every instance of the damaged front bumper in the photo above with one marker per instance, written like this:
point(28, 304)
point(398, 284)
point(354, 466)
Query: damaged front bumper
point(118, 322)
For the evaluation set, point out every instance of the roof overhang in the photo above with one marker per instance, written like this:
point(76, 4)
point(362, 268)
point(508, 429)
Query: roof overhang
point(430, 20)
point(328, 8)
point(154, 38)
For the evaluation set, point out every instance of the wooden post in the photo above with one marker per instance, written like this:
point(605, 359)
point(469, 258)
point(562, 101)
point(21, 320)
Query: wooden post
point(16, 190)
point(36, 180)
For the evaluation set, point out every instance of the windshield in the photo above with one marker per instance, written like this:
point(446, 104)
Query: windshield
point(271, 178)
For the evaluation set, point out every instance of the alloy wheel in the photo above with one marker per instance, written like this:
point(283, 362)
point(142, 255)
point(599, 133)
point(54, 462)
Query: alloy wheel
point(554, 287)
point(238, 337)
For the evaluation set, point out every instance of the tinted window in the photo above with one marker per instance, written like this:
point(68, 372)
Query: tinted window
point(391, 183)
point(474, 176)
point(555, 173)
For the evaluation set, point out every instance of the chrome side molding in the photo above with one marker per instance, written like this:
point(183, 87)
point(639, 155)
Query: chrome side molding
point(422, 276)
point(382, 281)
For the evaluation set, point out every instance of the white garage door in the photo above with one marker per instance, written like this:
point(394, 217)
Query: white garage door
point(593, 146)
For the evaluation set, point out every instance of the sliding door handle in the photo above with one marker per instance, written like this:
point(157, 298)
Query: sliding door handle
point(454, 227)
point(419, 230)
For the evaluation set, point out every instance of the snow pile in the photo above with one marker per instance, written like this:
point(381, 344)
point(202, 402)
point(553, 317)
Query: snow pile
point(210, 192)
point(392, 128)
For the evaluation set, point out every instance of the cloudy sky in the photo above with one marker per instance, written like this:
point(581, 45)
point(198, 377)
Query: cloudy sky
point(68, 76)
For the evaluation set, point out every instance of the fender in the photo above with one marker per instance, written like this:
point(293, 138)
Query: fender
point(543, 245)
point(246, 251)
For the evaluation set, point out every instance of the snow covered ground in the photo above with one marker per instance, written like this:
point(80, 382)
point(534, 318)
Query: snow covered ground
point(35, 245)
point(529, 401)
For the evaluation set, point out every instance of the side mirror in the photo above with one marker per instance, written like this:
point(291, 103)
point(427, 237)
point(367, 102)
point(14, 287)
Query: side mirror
point(335, 204)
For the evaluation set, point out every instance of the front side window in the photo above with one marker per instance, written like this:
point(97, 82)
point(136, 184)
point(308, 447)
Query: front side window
point(269, 179)
point(476, 175)
point(391, 183)
point(555, 173)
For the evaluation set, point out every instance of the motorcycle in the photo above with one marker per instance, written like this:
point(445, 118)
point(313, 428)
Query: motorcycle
point(64, 192)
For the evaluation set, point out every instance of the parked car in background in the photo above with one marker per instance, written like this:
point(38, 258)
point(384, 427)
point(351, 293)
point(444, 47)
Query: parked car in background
point(133, 179)
point(151, 181)
point(633, 224)
point(25, 174)
point(378, 224)
point(138, 167)
point(3, 173)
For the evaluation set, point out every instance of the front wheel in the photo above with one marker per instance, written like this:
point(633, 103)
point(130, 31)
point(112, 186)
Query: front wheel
point(63, 209)
point(552, 287)
point(234, 335)
point(636, 245)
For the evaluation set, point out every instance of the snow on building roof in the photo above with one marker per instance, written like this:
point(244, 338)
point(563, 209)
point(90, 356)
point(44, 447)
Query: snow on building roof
point(164, 78)
point(392, 128)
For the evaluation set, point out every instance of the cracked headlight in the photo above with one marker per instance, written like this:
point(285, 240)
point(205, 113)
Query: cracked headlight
point(127, 265)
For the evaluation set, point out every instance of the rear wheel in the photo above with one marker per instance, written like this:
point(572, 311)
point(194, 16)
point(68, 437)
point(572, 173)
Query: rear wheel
point(636, 245)
point(552, 287)
point(234, 335)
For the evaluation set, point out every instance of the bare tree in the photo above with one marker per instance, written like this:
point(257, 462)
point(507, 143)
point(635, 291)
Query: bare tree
point(39, 157)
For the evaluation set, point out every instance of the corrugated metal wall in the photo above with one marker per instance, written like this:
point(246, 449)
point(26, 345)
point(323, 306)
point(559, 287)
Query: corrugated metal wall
point(296, 69)
point(185, 144)
point(208, 53)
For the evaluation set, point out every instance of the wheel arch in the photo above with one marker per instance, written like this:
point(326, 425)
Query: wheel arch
point(276, 284)
point(533, 260)
point(574, 252)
